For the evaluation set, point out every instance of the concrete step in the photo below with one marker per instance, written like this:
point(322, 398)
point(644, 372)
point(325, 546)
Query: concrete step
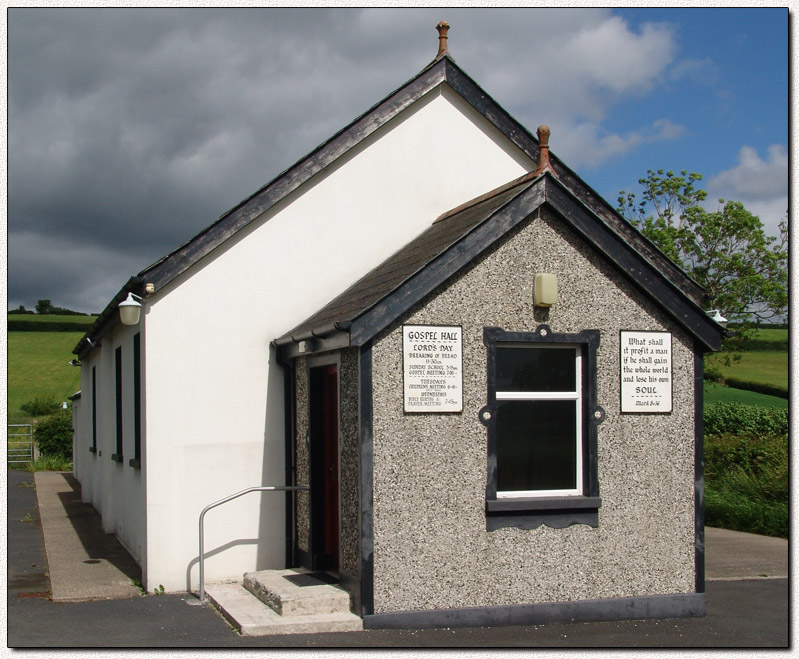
point(297, 592)
point(252, 617)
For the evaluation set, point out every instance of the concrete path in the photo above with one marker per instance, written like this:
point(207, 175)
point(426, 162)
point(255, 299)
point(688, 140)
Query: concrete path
point(732, 555)
point(85, 563)
point(744, 608)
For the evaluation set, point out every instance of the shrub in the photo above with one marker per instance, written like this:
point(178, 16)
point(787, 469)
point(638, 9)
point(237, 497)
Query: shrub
point(745, 451)
point(40, 406)
point(54, 434)
point(747, 478)
point(734, 418)
point(736, 512)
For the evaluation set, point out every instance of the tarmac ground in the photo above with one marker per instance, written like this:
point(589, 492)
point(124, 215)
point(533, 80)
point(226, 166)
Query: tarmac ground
point(747, 594)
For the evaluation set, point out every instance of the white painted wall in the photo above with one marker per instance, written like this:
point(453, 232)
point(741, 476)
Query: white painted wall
point(82, 439)
point(76, 420)
point(115, 489)
point(214, 394)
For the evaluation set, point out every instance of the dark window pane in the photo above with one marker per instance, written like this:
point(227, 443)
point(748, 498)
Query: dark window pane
point(118, 369)
point(536, 445)
point(536, 369)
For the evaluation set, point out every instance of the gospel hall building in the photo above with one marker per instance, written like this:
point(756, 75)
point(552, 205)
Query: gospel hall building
point(488, 380)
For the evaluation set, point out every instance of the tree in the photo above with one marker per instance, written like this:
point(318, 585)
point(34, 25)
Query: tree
point(43, 306)
point(726, 250)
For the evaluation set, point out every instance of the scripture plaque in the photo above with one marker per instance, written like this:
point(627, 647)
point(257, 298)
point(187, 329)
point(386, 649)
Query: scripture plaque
point(646, 384)
point(432, 368)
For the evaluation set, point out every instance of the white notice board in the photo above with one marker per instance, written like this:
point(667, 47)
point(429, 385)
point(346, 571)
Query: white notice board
point(646, 372)
point(432, 368)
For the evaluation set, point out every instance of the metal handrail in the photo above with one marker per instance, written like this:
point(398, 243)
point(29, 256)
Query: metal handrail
point(276, 488)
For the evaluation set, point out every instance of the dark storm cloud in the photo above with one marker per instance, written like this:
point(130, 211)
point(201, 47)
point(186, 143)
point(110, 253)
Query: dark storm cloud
point(131, 130)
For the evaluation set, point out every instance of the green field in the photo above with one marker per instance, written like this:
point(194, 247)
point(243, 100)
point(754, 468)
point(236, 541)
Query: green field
point(764, 367)
point(38, 364)
point(771, 335)
point(718, 393)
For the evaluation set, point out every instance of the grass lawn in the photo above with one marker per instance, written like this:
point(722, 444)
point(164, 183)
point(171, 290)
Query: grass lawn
point(718, 393)
point(772, 335)
point(38, 364)
point(765, 367)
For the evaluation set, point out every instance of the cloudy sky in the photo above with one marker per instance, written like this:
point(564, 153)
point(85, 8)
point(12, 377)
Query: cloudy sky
point(131, 130)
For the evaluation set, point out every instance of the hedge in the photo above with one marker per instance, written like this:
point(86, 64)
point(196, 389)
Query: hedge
point(36, 326)
point(755, 345)
point(738, 419)
point(747, 483)
point(757, 387)
point(54, 434)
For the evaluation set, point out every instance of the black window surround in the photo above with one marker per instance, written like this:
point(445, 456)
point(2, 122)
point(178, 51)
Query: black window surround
point(93, 447)
point(117, 457)
point(529, 512)
point(136, 460)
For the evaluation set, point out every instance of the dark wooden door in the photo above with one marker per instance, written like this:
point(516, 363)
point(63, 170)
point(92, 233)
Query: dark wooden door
point(324, 468)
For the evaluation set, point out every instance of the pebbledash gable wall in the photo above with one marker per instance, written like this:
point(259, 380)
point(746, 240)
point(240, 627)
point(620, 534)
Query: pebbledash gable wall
point(431, 546)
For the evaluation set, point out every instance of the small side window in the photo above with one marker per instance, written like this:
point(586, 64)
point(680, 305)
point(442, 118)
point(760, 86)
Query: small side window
point(117, 456)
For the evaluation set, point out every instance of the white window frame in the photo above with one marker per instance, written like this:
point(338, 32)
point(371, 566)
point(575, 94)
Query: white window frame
point(576, 395)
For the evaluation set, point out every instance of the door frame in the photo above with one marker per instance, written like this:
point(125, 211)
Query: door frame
point(321, 555)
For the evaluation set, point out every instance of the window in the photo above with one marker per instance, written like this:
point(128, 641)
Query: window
point(539, 429)
point(118, 389)
point(93, 447)
point(136, 461)
point(541, 419)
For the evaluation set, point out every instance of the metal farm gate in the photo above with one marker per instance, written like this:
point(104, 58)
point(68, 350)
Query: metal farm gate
point(20, 443)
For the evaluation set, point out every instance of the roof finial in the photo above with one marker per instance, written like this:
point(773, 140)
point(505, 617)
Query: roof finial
point(543, 152)
point(443, 28)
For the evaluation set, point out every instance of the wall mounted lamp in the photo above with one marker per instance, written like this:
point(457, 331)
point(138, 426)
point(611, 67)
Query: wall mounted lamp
point(74, 362)
point(715, 314)
point(545, 289)
point(130, 310)
point(92, 342)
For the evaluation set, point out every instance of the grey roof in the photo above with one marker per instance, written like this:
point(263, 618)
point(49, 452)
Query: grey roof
point(461, 236)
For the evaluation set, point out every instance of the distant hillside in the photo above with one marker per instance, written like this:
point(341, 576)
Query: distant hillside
point(38, 365)
point(48, 323)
